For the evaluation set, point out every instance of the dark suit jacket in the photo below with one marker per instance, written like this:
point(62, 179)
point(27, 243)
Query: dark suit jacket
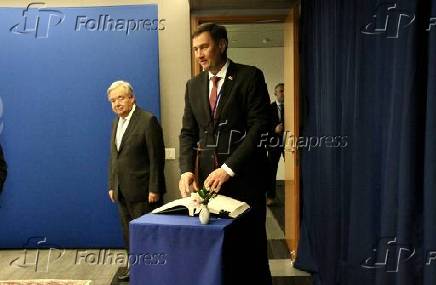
point(233, 136)
point(138, 167)
point(276, 140)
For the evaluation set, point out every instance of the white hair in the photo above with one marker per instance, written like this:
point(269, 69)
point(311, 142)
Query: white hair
point(123, 84)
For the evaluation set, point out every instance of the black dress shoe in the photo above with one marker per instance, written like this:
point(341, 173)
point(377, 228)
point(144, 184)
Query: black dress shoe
point(124, 275)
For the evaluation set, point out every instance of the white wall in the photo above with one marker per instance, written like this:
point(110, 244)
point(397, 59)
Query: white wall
point(270, 61)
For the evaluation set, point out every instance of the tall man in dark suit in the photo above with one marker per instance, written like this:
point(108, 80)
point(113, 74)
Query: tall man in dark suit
point(226, 111)
point(275, 149)
point(136, 170)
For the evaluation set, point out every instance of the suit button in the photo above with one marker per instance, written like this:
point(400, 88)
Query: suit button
point(205, 132)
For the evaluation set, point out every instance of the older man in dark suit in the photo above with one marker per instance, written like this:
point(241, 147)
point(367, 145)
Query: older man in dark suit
point(226, 112)
point(136, 170)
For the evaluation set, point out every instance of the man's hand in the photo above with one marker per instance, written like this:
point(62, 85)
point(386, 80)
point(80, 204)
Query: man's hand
point(216, 179)
point(279, 129)
point(153, 197)
point(187, 184)
point(111, 195)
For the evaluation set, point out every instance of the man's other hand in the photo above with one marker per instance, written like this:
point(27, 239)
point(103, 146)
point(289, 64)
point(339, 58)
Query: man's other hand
point(111, 195)
point(153, 197)
point(279, 129)
point(216, 179)
point(187, 184)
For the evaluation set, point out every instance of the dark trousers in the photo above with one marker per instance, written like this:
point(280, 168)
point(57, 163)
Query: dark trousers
point(273, 157)
point(249, 240)
point(132, 210)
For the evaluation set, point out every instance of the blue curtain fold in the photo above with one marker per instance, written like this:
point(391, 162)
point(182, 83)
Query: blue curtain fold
point(369, 205)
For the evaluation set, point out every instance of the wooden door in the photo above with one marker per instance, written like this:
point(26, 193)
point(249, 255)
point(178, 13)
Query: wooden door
point(292, 169)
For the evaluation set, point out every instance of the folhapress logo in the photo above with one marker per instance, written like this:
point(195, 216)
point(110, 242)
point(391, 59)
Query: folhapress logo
point(105, 23)
point(40, 258)
point(389, 255)
point(388, 20)
point(38, 21)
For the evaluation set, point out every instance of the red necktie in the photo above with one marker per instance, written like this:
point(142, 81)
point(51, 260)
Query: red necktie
point(214, 94)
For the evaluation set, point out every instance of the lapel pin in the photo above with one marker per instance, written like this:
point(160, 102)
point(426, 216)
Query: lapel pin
point(230, 77)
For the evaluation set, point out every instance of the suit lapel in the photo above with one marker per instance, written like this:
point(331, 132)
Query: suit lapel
point(114, 131)
point(226, 89)
point(275, 114)
point(130, 127)
point(203, 87)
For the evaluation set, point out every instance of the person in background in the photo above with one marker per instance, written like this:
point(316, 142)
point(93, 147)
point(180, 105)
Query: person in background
point(276, 149)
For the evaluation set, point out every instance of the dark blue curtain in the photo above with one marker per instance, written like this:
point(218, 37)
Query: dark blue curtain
point(369, 191)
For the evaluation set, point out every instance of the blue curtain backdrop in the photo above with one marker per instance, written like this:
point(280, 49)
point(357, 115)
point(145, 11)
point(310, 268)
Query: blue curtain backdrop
point(55, 67)
point(369, 206)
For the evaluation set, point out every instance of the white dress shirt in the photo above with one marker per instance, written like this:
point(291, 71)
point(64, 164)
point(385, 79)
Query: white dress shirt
point(123, 123)
point(279, 111)
point(222, 75)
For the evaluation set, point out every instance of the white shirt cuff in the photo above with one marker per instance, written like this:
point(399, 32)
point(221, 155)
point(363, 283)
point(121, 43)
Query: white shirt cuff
point(228, 170)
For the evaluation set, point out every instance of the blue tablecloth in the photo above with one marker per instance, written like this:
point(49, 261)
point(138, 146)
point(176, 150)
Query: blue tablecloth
point(178, 250)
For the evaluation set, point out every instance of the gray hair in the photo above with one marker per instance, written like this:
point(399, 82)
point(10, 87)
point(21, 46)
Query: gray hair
point(279, 85)
point(120, 83)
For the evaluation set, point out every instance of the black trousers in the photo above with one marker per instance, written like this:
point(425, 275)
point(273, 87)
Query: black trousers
point(249, 241)
point(132, 210)
point(273, 157)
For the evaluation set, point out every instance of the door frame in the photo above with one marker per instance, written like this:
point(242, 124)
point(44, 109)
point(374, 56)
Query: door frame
point(291, 74)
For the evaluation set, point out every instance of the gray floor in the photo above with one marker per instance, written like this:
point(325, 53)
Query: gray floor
point(279, 257)
point(69, 264)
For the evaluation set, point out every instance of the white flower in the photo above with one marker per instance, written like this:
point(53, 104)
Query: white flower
point(196, 200)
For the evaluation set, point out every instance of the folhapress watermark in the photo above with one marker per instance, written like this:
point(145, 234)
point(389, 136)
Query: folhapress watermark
point(389, 21)
point(390, 256)
point(42, 255)
point(110, 257)
point(105, 23)
point(289, 141)
point(37, 20)
point(39, 258)
point(267, 140)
